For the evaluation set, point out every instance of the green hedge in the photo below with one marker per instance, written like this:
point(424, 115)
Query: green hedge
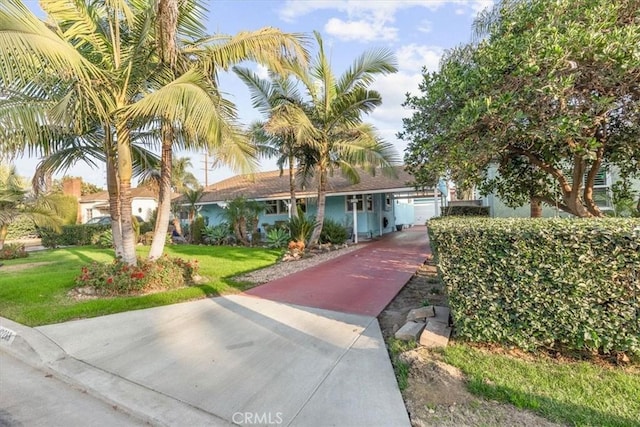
point(566, 284)
point(73, 235)
point(465, 210)
point(21, 228)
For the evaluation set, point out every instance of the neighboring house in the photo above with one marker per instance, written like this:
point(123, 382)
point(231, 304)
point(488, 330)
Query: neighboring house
point(603, 197)
point(382, 204)
point(143, 202)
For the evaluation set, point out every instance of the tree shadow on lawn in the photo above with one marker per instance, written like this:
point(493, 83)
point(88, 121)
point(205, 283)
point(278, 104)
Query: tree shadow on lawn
point(80, 252)
point(232, 253)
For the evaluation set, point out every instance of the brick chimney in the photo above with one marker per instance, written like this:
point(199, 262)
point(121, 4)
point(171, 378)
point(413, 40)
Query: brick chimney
point(73, 187)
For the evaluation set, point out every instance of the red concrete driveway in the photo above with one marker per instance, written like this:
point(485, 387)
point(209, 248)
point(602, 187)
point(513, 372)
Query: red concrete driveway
point(360, 282)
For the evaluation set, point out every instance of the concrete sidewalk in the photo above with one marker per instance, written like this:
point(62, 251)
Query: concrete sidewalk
point(234, 360)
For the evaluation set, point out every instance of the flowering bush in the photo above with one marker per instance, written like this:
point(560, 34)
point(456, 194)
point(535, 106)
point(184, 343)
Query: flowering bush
point(13, 251)
point(119, 278)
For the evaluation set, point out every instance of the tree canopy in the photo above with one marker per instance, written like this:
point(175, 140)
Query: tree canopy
point(549, 96)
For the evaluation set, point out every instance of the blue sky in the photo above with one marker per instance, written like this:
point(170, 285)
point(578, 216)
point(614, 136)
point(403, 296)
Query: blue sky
point(417, 31)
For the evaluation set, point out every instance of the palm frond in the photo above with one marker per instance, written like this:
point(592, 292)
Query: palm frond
point(267, 46)
point(364, 69)
point(27, 46)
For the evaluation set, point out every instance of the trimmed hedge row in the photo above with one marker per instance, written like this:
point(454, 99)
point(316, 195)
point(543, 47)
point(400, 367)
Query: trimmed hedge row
point(465, 210)
point(73, 235)
point(568, 284)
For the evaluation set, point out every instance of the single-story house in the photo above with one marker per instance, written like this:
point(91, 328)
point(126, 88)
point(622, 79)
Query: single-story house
point(602, 194)
point(144, 201)
point(382, 204)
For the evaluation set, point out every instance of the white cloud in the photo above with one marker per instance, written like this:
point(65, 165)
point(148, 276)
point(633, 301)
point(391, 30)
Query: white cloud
point(393, 89)
point(413, 57)
point(262, 71)
point(361, 30)
point(293, 9)
point(368, 21)
point(480, 5)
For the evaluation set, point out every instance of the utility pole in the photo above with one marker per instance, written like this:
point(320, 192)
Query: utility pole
point(206, 169)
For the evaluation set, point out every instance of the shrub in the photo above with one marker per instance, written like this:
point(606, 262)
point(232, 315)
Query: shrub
point(217, 234)
point(104, 239)
point(465, 211)
point(300, 227)
point(145, 227)
point(197, 230)
point(73, 235)
point(333, 232)
point(278, 238)
point(119, 278)
point(66, 206)
point(13, 251)
point(22, 227)
point(566, 284)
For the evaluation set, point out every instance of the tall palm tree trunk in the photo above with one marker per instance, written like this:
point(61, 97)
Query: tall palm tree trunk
point(322, 196)
point(164, 195)
point(125, 171)
point(166, 27)
point(4, 230)
point(114, 194)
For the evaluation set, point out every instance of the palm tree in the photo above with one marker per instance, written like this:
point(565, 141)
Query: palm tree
point(180, 39)
point(15, 202)
point(271, 97)
point(330, 122)
point(181, 179)
point(192, 197)
point(104, 57)
point(242, 216)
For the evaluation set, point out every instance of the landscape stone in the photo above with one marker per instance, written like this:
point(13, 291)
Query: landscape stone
point(410, 331)
point(442, 314)
point(421, 313)
point(436, 334)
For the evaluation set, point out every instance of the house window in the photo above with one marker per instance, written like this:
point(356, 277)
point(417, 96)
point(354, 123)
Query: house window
point(276, 207)
point(364, 201)
point(601, 188)
point(89, 214)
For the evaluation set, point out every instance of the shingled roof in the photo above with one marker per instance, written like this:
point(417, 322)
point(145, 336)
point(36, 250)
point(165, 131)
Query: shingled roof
point(274, 185)
point(143, 192)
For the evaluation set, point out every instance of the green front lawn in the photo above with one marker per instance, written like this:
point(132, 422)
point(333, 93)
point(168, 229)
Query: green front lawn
point(37, 294)
point(568, 392)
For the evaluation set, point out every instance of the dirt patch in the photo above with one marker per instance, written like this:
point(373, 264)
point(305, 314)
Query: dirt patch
point(436, 393)
point(21, 267)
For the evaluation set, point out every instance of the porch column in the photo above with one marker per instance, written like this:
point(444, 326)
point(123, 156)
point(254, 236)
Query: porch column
point(354, 205)
point(381, 203)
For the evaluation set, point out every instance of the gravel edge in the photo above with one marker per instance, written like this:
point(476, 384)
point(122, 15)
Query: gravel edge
point(283, 269)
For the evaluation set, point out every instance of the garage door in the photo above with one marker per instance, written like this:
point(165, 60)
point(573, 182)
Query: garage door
point(423, 212)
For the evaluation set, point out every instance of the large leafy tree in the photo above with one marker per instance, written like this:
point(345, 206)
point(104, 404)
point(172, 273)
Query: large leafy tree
point(548, 96)
point(330, 124)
